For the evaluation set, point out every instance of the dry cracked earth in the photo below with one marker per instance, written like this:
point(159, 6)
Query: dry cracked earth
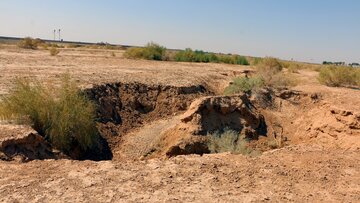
point(318, 161)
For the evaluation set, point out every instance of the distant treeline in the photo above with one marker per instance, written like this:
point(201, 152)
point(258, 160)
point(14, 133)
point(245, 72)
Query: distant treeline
point(154, 51)
point(340, 63)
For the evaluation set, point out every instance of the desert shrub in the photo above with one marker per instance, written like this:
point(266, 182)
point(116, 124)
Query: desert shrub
point(54, 51)
point(336, 76)
point(61, 114)
point(294, 68)
point(254, 61)
point(113, 54)
point(280, 80)
point(269, 74)
point(273, 144)
point(29, 43)
point(270, 64)
point(188, 55)
point(240, 60)
point(228, 140)
point(134, 53)
point(270, 70)
point(169, 55)
point(151, 51)
point(244, 84)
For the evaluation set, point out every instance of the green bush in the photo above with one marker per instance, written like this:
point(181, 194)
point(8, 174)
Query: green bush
point(244, 84)
point(269, 74)
point(154, 51)
point(151, 51)
point(228, 140)
point(59, 113)
point(337, 76)
point(188, 55)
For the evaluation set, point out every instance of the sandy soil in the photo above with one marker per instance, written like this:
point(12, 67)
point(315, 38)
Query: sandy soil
point(295, 174)
point(91, 66)
point(320, 165)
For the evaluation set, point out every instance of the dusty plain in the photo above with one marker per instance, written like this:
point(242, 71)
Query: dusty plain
point(321, 162)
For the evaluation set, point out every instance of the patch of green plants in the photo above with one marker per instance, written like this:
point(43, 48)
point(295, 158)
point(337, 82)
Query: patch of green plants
point(62, 114)
point(244, 84)
point(188, 55)
point(229, 140)
point(336, 76)
point(269, 74)
point(151, 51)
point(255, 60)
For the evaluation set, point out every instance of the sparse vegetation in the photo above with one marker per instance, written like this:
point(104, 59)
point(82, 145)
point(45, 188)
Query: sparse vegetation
point(30, 43)
point(270, 64)
point(54, 51)
point(254, 60)
point(273, 144)
point(269, 74)
point(270, 70)
point(188, 55)
point(244, 84)
point(61, 114)
point(337, 76)
point(229, 140)
point(151, 51)
point(73, 46)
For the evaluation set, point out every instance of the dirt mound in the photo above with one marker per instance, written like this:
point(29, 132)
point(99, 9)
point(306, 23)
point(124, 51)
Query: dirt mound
point(270, 119)
point(123, 107)
point(210, 114)
point(25, 144)
point(301, 117)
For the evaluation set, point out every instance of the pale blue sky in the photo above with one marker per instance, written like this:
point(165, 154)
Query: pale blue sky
point(307, 30)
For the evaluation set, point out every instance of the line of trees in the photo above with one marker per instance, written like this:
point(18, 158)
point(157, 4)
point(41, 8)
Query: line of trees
point(341, 64)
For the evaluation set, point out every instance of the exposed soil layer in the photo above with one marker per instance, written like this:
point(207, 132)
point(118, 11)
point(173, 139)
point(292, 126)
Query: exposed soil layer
point(123, 107)
point(25, 145)
point(209, 114)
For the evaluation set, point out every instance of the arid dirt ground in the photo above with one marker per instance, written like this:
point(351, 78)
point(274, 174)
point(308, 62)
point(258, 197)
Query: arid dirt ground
point(320, 162)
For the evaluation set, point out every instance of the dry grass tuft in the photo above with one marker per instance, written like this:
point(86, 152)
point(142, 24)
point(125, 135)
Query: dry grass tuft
point(151, 51)
point(30, 43)
point(336, 76)
point(244, 84)
point(54, 51)
point(229, 141)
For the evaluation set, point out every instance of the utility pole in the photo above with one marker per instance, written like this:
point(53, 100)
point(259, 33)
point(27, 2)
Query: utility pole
point(59, 34)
